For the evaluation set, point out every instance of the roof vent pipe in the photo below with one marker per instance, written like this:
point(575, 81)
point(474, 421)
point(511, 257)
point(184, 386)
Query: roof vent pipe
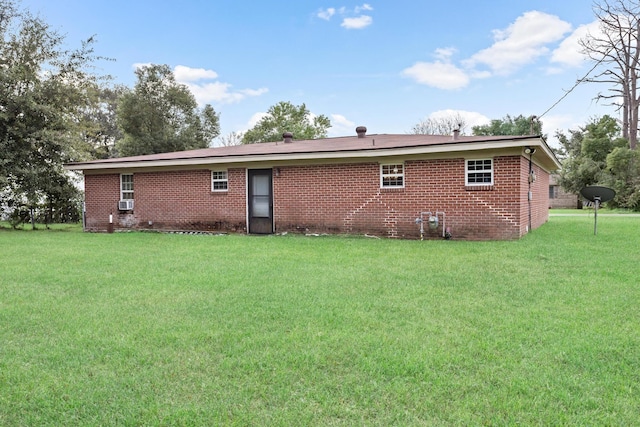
point(361, 131)
point(288, 137)
point(456, 134)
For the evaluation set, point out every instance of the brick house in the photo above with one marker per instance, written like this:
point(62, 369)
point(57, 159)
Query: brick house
point(466, 187)
point(559, 198)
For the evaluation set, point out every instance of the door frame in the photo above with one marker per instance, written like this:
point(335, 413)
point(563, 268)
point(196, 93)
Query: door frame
point(259, 225)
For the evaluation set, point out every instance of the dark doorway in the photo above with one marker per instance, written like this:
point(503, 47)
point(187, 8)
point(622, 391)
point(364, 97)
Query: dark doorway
point(260, 201)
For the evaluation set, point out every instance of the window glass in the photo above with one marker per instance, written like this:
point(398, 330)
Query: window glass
point(261, 185)
point(479, 172)
point(392, 175)
point(219, 181)
point(126, 186)
point(261, 197)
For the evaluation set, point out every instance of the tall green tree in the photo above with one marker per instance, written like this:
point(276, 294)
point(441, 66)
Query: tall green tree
point(161, 115)
point(286, 117)
point(587, 153)
point(97, 127)
point(519, 125)
point(623, 175)
point(41, 86)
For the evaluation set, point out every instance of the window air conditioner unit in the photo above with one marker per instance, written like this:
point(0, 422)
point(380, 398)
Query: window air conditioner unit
point(125, 205)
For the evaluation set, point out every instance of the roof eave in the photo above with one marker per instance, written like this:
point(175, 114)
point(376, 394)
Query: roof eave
point(364, 153)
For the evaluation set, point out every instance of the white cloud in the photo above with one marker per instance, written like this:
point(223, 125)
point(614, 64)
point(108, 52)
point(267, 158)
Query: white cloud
point(358, 23)
point(349, 21)
point(445, 53)
point(255, 92)
point(221, 92)
point(311, 117)
point(206, 92)
point(569, 52)
point(255, 118)
point(187, 74)
point(522, 43)
point(326, 14)
point(442, 75)
point(480, 74)
point(554, 123)
point(137, 65)
point(340, 120)
point(364, 7)
point(341, 126)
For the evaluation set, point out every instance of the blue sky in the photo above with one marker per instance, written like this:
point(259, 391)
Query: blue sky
point(382, 64)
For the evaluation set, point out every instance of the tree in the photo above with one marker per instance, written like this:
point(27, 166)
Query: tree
point(519, 125)
point(42, 86)
point(623, 175)
point(587, 152)
point(444, 125)
point(161, 115)
point(97, 127)
point(570, 145)
point(617, 47)
point(231, 139)
point(286, 117)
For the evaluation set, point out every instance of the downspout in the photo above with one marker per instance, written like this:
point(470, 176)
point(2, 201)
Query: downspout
point(531, 179)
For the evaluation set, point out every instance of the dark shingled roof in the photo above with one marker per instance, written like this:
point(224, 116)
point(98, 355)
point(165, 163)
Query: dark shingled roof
point(327, 145)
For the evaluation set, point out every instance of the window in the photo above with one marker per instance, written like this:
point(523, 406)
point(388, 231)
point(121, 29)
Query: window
point(392, 176)
point(219, 181)
point(552, 191)
point(126, 186)
point(479, 172)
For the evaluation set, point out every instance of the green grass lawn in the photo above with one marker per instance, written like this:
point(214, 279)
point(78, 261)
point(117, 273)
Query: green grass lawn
point(165, 329)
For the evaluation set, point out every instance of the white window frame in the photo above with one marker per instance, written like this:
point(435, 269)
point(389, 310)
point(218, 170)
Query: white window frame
point(218, 179)
point(128, 191)
point(385, 172)
point(483, 170)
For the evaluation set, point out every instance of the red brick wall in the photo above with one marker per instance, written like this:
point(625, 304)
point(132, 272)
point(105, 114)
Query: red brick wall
point(540, 202)
point(348, 198)
point(340, 198)
point(174, 200)
point(101, 193)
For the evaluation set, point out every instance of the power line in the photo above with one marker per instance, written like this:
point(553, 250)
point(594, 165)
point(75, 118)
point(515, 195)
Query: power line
point(581, 80)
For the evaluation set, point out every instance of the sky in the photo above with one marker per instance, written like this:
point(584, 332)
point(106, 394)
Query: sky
point(385, 65)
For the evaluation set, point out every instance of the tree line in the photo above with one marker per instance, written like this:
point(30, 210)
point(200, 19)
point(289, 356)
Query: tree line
point(55, 109)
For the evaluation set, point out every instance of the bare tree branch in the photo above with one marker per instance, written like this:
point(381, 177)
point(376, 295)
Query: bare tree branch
point(440, 125)
point(617, 47)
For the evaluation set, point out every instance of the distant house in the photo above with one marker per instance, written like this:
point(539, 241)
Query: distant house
point(559, 198)
point(465, 187)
